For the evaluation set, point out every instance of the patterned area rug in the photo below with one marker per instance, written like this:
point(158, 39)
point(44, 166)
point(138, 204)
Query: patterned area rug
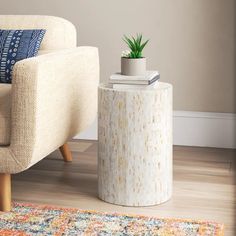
point(29, 219)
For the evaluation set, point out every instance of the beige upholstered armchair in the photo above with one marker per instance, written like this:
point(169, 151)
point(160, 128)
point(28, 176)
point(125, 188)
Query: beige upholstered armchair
point(52, 98)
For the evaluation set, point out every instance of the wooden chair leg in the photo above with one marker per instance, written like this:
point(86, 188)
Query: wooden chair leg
point(66, 153)
point(5, 192)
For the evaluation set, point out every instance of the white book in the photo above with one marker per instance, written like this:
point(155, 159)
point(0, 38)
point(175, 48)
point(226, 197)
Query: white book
point(147, 79)
point(134, 86)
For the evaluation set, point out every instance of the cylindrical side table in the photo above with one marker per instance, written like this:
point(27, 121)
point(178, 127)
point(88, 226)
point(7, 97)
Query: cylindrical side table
point(135, 145)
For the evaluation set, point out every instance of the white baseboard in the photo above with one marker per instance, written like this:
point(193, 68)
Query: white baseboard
point(203, 129)
point(91, 133)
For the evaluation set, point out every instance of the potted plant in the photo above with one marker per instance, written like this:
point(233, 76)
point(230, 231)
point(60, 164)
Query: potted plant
point(132, 61)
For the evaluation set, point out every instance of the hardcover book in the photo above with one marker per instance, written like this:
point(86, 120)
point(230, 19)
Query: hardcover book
point(147, 79)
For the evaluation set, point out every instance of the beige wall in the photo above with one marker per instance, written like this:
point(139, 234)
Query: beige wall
point(192, 41)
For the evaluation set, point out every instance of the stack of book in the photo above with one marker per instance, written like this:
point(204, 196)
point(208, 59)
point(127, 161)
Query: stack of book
point(149, 80)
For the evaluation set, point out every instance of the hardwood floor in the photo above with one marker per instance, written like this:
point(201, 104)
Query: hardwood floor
point(204, 184)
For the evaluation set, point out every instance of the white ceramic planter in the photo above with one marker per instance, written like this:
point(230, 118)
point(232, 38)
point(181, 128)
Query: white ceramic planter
point(133, 66)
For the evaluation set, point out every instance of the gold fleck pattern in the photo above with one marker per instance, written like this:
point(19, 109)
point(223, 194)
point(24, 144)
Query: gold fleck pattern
point(135, 143)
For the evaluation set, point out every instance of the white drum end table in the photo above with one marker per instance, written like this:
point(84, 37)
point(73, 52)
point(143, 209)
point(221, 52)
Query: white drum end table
point(135, 145)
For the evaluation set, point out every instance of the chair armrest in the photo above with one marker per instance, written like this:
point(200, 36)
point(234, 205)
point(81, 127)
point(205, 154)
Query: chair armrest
point(54, 97)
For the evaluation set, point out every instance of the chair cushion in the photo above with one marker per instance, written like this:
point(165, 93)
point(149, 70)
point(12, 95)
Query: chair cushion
point(16, 45)
point(5, 113)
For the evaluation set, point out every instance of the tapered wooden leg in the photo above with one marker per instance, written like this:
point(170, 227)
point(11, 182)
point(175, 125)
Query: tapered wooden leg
point(5, 192)
point(66, 153)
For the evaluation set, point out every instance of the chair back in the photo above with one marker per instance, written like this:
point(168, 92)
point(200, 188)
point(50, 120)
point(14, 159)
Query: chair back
point(60, 33)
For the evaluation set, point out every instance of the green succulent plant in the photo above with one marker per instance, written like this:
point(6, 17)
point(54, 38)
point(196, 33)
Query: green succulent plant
point(136, 45)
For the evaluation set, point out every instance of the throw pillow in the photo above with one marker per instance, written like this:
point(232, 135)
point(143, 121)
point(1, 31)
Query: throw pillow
point(16, 45)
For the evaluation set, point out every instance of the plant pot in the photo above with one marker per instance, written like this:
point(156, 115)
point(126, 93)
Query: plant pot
point(133, 66)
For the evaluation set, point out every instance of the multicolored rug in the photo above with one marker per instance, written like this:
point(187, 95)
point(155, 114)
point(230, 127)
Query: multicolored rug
point(29, 219)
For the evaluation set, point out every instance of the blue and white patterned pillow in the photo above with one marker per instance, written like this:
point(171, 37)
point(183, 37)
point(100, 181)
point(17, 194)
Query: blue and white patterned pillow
point(16, 45)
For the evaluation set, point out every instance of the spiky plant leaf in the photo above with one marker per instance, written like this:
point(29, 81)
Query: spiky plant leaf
point(143, 45)
point(129, 43)
point(139, 38)
point(135, 45)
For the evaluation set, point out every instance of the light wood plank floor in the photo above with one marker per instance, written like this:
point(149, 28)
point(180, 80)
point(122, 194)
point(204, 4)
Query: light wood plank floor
point(204, 184)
